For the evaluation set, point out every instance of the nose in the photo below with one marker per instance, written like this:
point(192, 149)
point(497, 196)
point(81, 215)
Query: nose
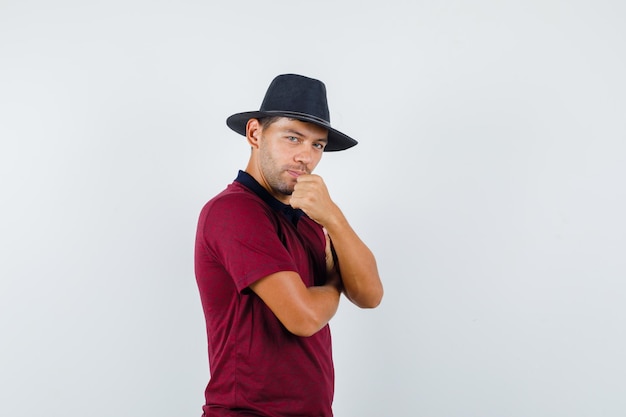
point(304, 155)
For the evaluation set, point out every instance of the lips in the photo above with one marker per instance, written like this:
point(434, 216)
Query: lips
point(296, 171)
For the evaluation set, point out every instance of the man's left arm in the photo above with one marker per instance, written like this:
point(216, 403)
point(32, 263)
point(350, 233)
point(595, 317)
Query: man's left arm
point(356, 262)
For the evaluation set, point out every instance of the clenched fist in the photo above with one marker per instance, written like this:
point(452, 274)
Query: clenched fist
point(311, 196)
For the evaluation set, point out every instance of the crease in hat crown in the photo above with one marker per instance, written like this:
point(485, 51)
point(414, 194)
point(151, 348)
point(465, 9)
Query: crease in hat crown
point(299, 97)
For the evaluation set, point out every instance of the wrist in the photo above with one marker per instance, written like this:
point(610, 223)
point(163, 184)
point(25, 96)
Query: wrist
point(335, 221)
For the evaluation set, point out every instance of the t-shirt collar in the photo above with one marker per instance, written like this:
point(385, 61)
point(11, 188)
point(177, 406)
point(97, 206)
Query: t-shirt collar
point(249, 182)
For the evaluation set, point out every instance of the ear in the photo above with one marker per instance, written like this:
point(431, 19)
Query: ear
point(253, 132)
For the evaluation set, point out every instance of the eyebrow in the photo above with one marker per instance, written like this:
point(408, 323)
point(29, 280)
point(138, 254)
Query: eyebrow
point(295, 132)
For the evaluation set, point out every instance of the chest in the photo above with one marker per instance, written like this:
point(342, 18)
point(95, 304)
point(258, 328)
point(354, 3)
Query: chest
point(305, 243)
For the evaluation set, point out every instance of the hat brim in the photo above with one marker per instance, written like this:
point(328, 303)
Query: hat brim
point(337, 141)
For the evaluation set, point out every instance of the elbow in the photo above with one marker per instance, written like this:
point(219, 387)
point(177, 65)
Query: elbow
point(371, 302)
point(371, 299)
point(305, 326)
point(375, 302)
point(303, 332)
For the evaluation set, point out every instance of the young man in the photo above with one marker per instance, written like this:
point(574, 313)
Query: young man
point(273, 255)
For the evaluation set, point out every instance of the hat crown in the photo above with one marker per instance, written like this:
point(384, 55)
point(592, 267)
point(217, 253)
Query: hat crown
point(297, 94)
point(297, 97)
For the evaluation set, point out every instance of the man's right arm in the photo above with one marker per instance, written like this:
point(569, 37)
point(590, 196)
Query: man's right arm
point(302, 310)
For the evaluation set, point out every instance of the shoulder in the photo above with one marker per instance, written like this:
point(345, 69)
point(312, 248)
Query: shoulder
point(236, 211)
point(235, 200)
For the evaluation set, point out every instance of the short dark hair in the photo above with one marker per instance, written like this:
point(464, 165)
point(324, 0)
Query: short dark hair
point(266, 121)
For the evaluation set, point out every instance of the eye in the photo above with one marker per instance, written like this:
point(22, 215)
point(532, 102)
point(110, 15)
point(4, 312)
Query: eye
point(319, 145)
point(292, 139)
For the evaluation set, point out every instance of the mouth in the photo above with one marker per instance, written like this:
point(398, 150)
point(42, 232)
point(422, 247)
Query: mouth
point(295, 172)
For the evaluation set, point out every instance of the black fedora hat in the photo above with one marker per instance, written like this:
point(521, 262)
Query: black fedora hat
point(297, 97)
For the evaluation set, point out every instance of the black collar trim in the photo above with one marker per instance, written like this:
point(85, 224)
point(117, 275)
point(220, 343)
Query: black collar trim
point(248, 181)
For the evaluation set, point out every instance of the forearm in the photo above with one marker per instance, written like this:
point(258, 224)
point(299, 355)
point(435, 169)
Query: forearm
point(357, 264)
point(302, 310)
point(323, 304)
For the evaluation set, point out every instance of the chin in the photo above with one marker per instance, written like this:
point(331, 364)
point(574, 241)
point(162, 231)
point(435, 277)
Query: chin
point(283, 189)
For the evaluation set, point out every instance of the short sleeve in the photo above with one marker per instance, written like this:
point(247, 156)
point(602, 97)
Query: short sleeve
point(243, 234)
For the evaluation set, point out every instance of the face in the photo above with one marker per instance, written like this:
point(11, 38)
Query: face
point(287, 149)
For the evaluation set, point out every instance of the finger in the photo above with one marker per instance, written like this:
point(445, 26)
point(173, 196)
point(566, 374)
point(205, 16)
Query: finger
point(308, 178)
point(330, 261)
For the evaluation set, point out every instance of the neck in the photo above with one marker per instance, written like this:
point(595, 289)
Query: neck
point(255, 172)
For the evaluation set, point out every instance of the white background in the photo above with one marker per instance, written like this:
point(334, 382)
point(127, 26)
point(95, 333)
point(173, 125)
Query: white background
point(489, 182)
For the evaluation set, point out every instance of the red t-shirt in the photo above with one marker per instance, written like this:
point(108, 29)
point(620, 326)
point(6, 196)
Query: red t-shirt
point(257, 366)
